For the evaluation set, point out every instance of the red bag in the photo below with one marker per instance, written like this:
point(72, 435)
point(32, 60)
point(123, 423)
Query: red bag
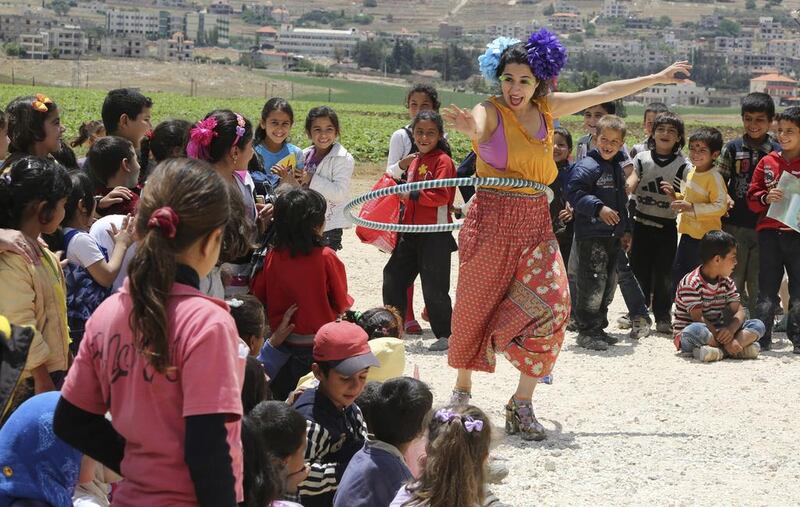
point(385, 210)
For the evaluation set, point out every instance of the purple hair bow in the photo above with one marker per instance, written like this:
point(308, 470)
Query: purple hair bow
point(470, 424)
point(473, 425)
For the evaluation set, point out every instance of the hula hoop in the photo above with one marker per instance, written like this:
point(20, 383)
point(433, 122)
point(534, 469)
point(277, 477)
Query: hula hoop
point(425, 185)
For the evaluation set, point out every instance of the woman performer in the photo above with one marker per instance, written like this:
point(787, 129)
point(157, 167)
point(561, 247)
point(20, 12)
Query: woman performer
point(512, 295)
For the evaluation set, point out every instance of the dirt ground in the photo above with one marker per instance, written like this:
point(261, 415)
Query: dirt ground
point(636, 425)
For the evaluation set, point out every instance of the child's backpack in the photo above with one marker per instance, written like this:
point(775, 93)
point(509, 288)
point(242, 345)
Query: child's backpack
point(15, 342)
point(84, 294)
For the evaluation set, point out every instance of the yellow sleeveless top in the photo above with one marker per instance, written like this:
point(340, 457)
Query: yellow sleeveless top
point(528, 157)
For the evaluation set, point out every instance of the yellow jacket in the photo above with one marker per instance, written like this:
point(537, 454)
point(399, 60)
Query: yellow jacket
point(707, 192)
point(35, 296)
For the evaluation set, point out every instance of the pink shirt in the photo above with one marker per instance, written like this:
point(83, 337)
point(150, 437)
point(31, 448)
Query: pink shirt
point(147, 408)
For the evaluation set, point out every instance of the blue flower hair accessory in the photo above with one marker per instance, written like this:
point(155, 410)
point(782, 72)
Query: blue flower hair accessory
point(489, 60)
point(546, 55)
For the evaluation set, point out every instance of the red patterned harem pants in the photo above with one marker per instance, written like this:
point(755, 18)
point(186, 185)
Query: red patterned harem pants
point(512, 295)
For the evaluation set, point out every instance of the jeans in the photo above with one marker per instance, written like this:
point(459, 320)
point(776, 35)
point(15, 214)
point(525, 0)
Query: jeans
point(779, 250)
point(630, 288)
point(333, 238)
point(696, 334)
point(687, 258)
point(745, 274)
point(596, 280)
point(652, 255)
point(427, 255)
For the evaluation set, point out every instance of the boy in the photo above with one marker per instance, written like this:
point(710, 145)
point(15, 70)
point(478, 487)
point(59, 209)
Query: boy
point(114, 167)
point(779, 244)
point(336, 428)
point(705, 297)
point(736, 164)
point(637, 319)
point(596, 191)
point(702, 201)
point(378, 470)
point(126, 113)
point(650, 113)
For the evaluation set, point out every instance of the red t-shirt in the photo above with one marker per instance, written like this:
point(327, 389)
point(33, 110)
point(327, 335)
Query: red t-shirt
point(316, 282)
point(430, 206)
point(147, 408)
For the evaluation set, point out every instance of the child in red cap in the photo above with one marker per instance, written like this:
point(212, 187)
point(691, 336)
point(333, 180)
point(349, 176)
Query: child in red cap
point(336, 428)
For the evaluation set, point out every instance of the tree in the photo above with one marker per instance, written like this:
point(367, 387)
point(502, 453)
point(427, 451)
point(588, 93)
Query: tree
point(750, 5)
point(549, 10)
point(370, 3)
point(13, 49)
point(60, 7)
point(460, 64)
point(402, 58)
point(664, 21)
point(369, 54)
point(591, 30)
point(729, 28)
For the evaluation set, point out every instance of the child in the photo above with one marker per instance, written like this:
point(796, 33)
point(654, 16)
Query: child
point(328, 168)
point(425, 254)
point(272, 145)
point(708, 314)
point(300, 270)
point(402, 151)
point(248, 313)
point(701, 203)
point(126, 113)
point(92, 269)
point(596, 191)
point(779, 245)
point(114, 167)
point(560, 209)
point(736, 164)
point(650, 112)
point(149, 353)
point(284, 432)
point(261, 481)
point(591, 116)
point(336, 428)
point(377, 472)
point(655, 229)
point(33, 127)
point(32, 197)
point(66, 157)
point(255, 388)
point(169, 140)
point(458, 447)
point(89, 131)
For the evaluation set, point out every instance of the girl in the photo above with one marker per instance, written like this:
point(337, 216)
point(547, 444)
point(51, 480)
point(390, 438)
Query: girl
point(34, 127)
point(402, 151)
point(299, 270)
point(89, 131)
point(32, 197)
point(426, 254)
point(169, 139)
point(149, 351)
point(273, 147)
point(262, 474)
point(255, 388)
point(91, 270)
point(328, 168)
point(225, 139)
point(655, 229)
point(283, 431)
point(248, 313)
point(560, 209)
point(507, 247)
point(457, 451)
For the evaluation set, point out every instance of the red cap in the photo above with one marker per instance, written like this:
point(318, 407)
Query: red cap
point(345, 345)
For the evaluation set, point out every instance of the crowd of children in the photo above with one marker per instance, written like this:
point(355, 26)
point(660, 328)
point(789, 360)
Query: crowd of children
point(197, 279)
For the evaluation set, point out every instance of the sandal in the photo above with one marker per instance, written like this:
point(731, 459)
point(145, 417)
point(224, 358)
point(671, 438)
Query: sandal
point(459, 398)
point(521, 419)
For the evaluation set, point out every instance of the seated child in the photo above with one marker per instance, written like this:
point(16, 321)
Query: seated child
point(376, 472)
point(596, 191)
point(336, 428)
point(284, 432)
point(92, 268)
point(458, 447)
point(262, 479)
point(701, 325)
point(114, 167)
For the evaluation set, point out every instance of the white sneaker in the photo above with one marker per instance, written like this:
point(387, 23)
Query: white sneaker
point(624, 322)
point(640, 328)
point(707, 354)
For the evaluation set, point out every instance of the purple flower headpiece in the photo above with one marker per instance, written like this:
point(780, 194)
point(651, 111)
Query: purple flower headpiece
point(546, 55)
point(470, 423)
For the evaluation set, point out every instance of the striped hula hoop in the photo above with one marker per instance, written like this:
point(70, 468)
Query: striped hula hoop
point(425, 185)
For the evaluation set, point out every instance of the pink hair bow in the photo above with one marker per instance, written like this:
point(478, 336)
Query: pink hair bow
point(200, 138)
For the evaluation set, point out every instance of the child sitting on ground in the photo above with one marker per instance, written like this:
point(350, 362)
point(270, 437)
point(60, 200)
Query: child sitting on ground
point(114, 167)
point(376, 472)
point(702, 327)
point(336, 428)
point(596, 191)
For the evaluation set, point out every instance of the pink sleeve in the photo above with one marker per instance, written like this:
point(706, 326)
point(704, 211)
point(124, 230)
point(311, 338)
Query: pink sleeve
point(210, 373)
point(83, 387)
point(337, 282)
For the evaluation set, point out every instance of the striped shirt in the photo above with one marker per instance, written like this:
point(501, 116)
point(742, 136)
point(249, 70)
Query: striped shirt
point(694, 290)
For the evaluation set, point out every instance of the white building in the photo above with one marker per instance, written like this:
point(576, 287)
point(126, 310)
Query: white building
point(403, 35)
point(35, 45)
point(177, 48)
point(565, 22)
point(732, 44)
point(614, 9)
point(769, 29)
point(753, 63)
point(318, 42)
point(201, 26)
point(784, 47)
point(70, 41)
point(126, 47)
point(561, 6)
point(682, 94)
point(132, 23)
point(629, 52)
point(518, 30)
point(30, 22)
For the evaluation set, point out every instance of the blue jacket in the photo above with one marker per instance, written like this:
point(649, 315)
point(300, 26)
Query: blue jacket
point(374, 476)
point(594, 183)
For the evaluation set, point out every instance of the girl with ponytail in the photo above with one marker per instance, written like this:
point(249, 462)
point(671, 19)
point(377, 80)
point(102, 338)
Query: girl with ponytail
point(457, 450)
point(163, 358)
